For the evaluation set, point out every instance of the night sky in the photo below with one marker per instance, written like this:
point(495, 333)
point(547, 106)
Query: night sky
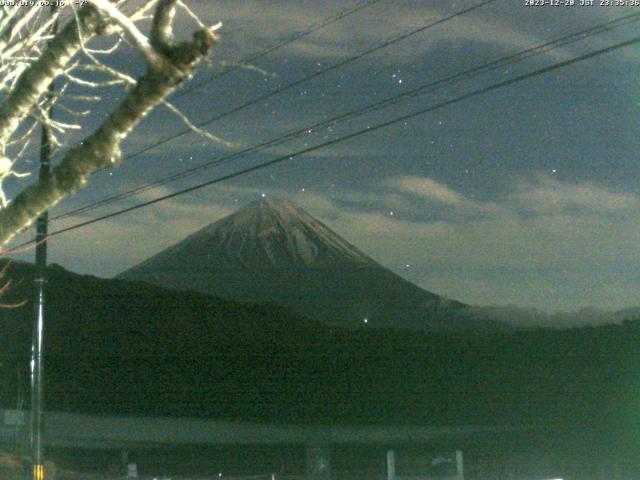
point(527, 195)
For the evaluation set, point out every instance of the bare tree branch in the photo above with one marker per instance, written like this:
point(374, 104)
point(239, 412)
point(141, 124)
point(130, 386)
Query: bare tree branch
point(130, 29)
point(162, 29)
point(168, 65)
point(34, 81)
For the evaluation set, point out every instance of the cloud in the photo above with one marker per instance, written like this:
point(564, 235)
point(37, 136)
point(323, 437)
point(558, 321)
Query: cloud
point(578, 250)
point(434, 193)
point(549, 195)
point(429, 190)
point(544, 195)
point(250, 25)
point(107, 247)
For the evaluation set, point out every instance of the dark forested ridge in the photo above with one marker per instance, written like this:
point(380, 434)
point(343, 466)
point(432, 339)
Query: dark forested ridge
point(126, 347)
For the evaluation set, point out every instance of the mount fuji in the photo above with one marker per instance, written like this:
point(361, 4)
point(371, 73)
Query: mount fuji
point(273, 251)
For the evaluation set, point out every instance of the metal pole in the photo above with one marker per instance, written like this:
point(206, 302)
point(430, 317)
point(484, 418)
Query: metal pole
point(459, 465)
point(37, 346)
point(391, 465)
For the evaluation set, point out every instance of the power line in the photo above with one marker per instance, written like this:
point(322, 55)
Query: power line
point(392, 40)
point(429, 87)
point(293, 38)
point(388, 42)
point(256, 56)
point(372, 107)
point(358, 133)
point(385, 44)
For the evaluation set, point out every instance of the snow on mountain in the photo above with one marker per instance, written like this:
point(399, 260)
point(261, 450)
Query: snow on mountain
point(273, 251)
point(279, 231)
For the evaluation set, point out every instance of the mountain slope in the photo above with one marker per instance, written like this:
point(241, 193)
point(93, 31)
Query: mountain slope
point(133, 348)
point(273, 251)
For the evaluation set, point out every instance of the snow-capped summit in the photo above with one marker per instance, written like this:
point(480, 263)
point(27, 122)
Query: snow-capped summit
point(274, 251)
point(274, 231)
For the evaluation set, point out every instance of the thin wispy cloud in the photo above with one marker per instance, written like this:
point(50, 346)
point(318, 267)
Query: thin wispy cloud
point(429, 189)
point(550, 195)
point(518, 250)
point(366, 28)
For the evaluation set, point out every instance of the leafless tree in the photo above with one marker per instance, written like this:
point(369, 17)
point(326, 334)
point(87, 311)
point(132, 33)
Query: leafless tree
point(76, 55)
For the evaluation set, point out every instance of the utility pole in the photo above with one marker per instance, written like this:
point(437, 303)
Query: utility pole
point(37, 345)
